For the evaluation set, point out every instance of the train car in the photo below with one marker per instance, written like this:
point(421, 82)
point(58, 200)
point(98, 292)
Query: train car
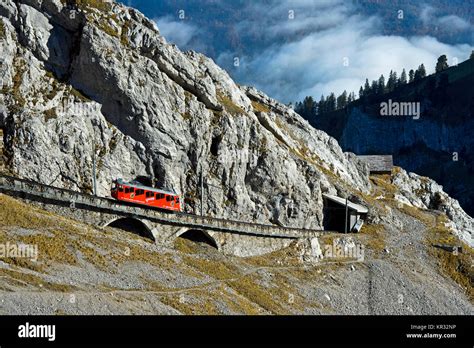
point(134, 192)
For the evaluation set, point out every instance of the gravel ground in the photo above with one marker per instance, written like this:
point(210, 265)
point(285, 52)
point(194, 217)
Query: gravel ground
point(100, 278)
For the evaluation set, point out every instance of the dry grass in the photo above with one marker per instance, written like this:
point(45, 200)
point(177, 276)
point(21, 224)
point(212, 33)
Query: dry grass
point(420, 214)
point(229, 105)
point(92, 4)
point(259, 107)
point(382, 185)
point(186, 246)
point(375, 239)
point(456, 265)
point(248, 287)
point(50, 114)
point(2, 30)
point(219, 270)
point(21, 279)
point(286, 256)
point(200, 302)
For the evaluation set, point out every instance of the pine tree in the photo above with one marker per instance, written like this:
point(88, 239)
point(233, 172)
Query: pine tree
point(381, 85)
point(373, 88)
point(331, 103)
point(366, 88)
point(352, 97)
point(442, 63)
point(422, 70)
point(411, 75)
point(392, 81)
point(472, 55)
point(403, 78)
point(342, 100)
point(420, 73)
point(322, 105)
point(361, 92)
point(309, 108)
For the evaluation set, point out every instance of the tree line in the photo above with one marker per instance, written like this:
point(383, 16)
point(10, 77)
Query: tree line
point(309, 107)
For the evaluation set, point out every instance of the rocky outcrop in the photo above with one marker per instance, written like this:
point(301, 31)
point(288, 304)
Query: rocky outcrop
point(424, 193)
point(99, 81)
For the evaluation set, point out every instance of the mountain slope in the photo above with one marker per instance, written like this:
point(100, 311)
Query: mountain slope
point(101, 79)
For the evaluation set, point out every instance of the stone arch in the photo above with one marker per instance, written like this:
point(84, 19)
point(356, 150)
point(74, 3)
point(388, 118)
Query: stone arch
point(133, 225)
point(199, 236)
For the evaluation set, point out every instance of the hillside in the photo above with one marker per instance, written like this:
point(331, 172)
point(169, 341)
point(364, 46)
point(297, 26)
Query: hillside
point(84, 270)
point(439, 144)
point(98, 80)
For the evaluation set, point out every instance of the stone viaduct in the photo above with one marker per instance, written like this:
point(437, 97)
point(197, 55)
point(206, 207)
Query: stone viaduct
point(229, 236)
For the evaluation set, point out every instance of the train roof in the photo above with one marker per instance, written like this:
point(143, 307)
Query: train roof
point(136, 184)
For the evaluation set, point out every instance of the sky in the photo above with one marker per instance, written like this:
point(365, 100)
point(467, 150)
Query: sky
point(294, 48)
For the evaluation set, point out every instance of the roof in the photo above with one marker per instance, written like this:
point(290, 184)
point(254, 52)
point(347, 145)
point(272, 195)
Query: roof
point(342, 201)
point(136, 184)
point(378, 163)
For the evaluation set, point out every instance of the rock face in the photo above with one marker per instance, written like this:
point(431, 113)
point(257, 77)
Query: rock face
point(424, 193)
point(99, 78)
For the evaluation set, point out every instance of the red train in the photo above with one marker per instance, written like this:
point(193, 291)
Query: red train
point(134, 192)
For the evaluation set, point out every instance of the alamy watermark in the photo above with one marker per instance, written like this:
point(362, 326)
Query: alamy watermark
point(340, 251)
point(26, 251)
point(394, 108)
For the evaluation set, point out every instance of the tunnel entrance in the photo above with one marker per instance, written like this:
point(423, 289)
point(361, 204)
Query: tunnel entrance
point(200, 237)
point(134, 226)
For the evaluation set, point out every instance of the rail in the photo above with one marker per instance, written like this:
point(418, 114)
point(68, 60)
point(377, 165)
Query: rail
point(17, 185)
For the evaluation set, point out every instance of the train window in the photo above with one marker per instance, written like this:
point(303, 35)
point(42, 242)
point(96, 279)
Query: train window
point(177, 199)
point(149, 194)
point(120, 189)
point(139, 192)
point(168, 198)
point(127, 189)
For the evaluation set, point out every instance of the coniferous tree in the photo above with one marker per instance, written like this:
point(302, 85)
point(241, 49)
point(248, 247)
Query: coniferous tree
point(442, 63)
point(381, 85)
point(366, 88)
point(341, 101)
point(322, 105)
point(352, 97)
point(422, 70)
point(472, 55)
point(411, 75)
point(392, 81)
point(331, 103)
point(361, 92)
point(417, 75)
point(373, 88)
point(308, 108)
point(403, 78)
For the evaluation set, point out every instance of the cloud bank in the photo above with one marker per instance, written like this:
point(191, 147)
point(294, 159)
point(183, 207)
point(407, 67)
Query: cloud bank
point(314, 49)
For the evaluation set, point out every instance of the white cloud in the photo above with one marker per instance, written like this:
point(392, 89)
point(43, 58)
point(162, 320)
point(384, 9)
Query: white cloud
point(177, 31)
point(310, 59)
point(448, 23)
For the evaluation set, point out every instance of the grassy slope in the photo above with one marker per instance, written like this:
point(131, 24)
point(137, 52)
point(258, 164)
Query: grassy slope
point(191, 278)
